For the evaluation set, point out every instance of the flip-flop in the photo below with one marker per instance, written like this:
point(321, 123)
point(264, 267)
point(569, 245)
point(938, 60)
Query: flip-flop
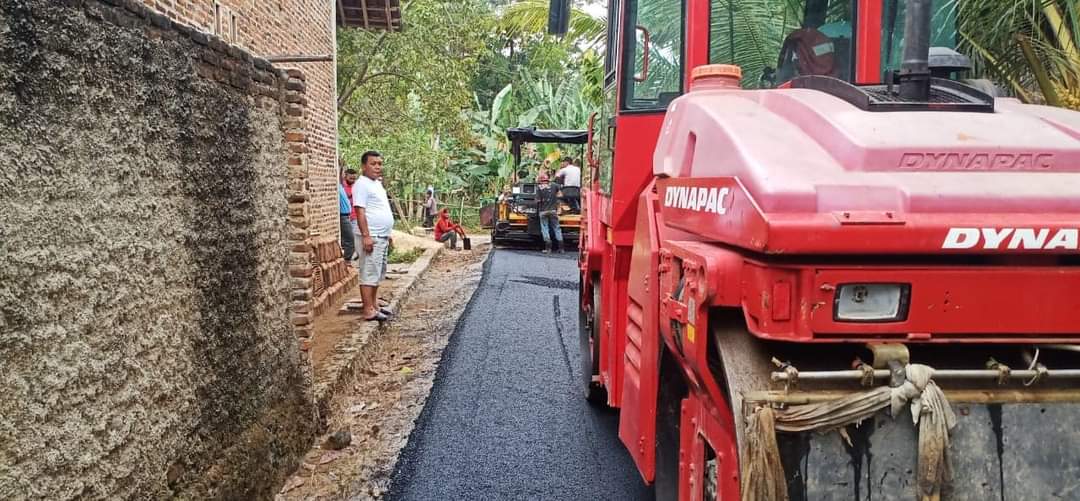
point(379, 316)
point(386, 311)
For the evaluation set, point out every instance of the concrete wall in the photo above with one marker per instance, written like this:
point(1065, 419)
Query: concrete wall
point(270, 28)
point(285, 27)
point(146, 348)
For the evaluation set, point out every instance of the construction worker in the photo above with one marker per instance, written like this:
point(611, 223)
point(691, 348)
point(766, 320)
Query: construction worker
point(445, 229)
point(547, 210)
point(569, 178)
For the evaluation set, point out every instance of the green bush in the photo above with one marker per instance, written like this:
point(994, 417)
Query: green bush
point(398, 256)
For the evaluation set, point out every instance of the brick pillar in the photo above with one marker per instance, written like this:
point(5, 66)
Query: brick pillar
point(302, 249)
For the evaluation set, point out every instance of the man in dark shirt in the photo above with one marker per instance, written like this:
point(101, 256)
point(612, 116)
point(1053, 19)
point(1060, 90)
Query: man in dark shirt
point(547, 209)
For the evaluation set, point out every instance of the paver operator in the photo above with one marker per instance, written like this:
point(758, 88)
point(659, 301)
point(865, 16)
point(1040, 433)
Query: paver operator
point(569, 177)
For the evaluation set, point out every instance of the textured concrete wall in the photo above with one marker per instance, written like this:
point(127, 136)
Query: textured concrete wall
point(281, 27)
point(293, 27)
point(146, 349)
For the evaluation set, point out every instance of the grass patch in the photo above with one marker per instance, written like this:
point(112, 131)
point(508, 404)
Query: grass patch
point(398, 256)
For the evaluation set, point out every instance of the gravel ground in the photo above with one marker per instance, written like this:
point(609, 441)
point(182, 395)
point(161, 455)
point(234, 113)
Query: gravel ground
point(393, 381)
point(505, 419)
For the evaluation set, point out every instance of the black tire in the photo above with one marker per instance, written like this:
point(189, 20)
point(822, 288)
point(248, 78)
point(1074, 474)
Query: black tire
point(495, 240)
point(588, 320)
point(671, 391)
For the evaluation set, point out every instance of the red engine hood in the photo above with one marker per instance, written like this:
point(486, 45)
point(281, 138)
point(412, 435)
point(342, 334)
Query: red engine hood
point(804, 172)
point(804, 151)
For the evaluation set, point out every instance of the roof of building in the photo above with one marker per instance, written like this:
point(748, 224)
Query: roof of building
point(369, 14)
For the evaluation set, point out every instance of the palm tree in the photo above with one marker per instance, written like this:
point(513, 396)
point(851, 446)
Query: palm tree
point(1029, 45)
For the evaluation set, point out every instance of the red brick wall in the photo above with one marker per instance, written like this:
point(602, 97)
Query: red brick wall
point(286, 27)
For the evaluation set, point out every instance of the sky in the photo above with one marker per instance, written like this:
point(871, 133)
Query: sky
point(596, 9)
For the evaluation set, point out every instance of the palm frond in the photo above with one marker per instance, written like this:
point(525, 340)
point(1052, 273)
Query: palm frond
point(1030, 44)
point(749, 33)
point(531, 16)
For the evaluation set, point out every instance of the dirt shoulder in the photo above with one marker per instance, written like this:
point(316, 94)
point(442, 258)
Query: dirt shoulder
point(380, 405)
point(332, 327)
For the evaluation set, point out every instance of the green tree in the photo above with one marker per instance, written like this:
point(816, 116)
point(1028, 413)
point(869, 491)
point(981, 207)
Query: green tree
point(383, 76)
point(436, 98)
point(749, 33)
point(403, 93)
point(1028, 45)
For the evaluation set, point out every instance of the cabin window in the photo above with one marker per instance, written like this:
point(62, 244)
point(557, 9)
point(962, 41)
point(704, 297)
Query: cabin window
point(943, 31)
point(612, 41)
point(777, 40)
point(653, 53)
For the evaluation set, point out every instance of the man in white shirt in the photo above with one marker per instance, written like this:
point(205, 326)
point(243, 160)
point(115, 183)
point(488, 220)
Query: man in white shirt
point(569, 177)
point(375, 221)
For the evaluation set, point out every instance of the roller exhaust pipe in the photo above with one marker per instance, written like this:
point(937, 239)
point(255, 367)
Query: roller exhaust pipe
point(559, 17)
point(915, 68)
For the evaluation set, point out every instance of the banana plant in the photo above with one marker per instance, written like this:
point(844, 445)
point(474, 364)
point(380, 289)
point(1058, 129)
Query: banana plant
point(553, 106)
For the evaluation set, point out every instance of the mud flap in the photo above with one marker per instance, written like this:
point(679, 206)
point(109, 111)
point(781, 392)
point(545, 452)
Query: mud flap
point(998, 452)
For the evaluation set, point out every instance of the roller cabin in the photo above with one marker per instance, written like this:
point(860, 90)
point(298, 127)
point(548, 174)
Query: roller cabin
point(840, 271)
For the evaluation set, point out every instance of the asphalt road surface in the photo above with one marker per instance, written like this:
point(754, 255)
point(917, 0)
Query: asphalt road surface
point(506, 419)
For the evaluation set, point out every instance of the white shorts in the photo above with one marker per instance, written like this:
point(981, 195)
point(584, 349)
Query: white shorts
point(372, 267)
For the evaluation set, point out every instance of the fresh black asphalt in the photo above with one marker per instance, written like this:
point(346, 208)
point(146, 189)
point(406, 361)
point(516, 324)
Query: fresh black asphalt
point(506, 419)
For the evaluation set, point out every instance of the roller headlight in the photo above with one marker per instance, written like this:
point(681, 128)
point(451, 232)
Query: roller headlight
point(871, 302)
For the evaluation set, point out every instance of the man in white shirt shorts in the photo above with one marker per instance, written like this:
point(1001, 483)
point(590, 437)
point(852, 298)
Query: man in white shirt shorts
point(375, 221)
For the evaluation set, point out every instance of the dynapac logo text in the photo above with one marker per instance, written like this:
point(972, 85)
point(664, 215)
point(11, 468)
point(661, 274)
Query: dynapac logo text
point(977, 161)
point(697, 198)
point(1011, 238)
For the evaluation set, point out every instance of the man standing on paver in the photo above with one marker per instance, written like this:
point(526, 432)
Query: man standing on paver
point(375, 222)
point(569, 177)
point(547, 208)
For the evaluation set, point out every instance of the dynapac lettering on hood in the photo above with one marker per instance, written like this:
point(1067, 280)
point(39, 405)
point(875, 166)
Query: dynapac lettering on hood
point(698, 198)
point(977, 161)
point(1012, 238)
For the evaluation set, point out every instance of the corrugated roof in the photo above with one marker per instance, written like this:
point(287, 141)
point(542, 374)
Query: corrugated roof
point(369, 14)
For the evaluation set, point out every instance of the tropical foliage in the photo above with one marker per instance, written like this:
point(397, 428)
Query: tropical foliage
point(749, 33)
point(436, 98)
point(1029, 45)
point(527, 17)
